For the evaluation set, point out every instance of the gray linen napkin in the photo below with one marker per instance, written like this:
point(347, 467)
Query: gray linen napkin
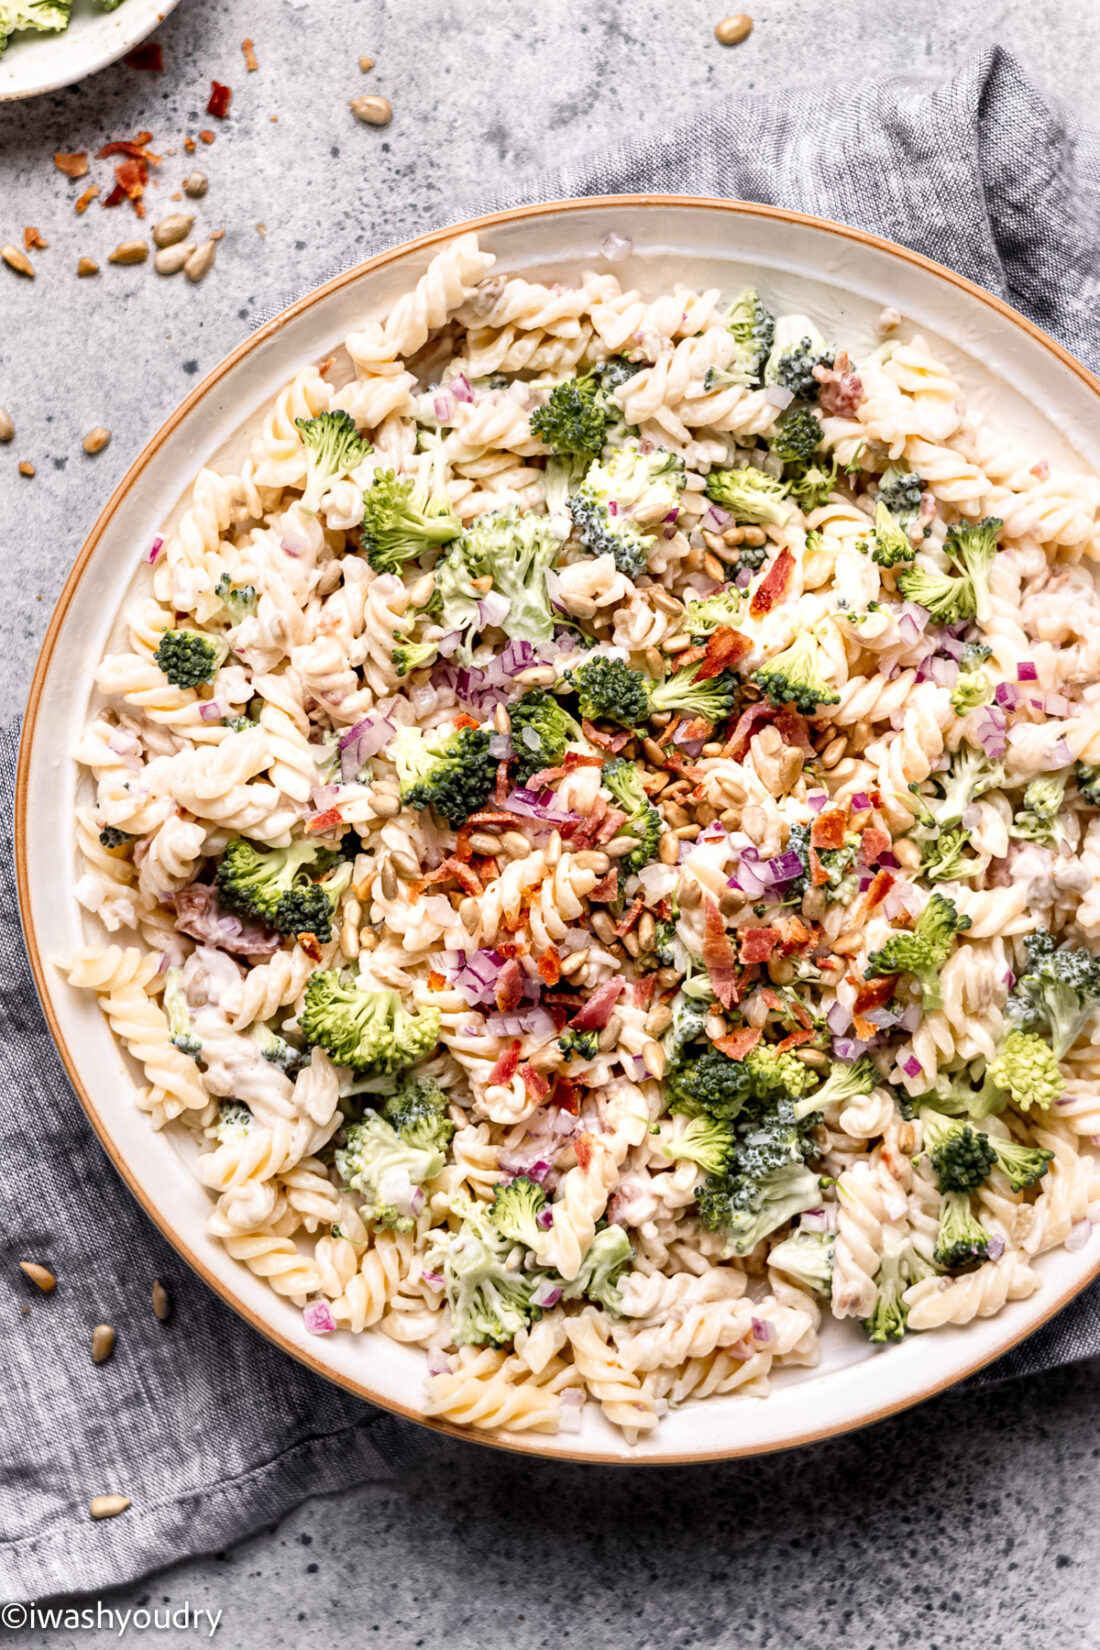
point(206, 1427)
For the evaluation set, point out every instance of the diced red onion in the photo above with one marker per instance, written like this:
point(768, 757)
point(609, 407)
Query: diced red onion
point(500, 746)
point(950, 645)
point(996, 1246)
point(910, 1018)
point(888, 860)
point(547, 1294)
point(1007, 695)
point(944, 672)
point(849, 1048)
point(911, 1066)
point(1008, 978)
point(154, 551)
point(715, 518)
point(1026, 671)
point(919, 616)
point(438, 1362)
point(1057, 704)
point(616, 247)
point(434, 1278)
point(493, 609)
point(882, 1017)
point(210, 711)
point(909, 631)
point(1059, 755)
point(443, 403)
point(535, 1023)
point(545, 1218)
point(818, 800)
point(459, 387)
point(860, 802)
point(363, 741)
point(839, 1018)
point(777, 396)
point(781, 868)
point(818, 1220)
point(539, 805)
point(762, 1330)
point(990, 729)
point(318, 1318)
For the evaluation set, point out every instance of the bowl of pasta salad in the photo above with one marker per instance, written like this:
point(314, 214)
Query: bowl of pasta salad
point(579, 905)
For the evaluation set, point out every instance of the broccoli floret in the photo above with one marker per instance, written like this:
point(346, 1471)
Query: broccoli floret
point(181, 1033)
point(807, 1257)
point(623, 779)
point(753, 329)
point(776, 1076)
point(974, 655)
point(578, 417)
point(490, 1301)
point(541, 730)
point(713, 612)
point(376, 1162)
point(797, 349)
point(944, 858)
point(971, 774)
point(1057, 993)
point(797, 436)
point(1022, 1165)
point(1025, 1068)
point(971, 546)
point(708, 1141)
point(1038, 818)
point(516, 549)
point(794, 677)
point(279, 886)
point(845, 1082)
point(407, 655)
point(111, 837)
point(609, 688)
point(688, 1026)
point(949, 600)
point(583, 1044)
point(961, 1156)
point(813, 486)
point(620, 498)
point(900, 492)
point(371, 1030)
point(277, 1051)
point(1087, 777)
point(712, 698)
point(402, 519)
point(890, 543)
point(887, 1318)
point(333, 447)
point(751, 496)
point(961, 1239)
point(233, 1122)
point(747, 1208)
point(711, 1084)
point(973, 688)
point(605, 1260)
point(515, 1209)
point(239, 600)
point(418, 1111)
point(923, 951)
point(450, 772)
point(188, 657)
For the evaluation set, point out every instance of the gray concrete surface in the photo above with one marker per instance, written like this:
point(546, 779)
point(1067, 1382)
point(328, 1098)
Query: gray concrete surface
point(968, 1523)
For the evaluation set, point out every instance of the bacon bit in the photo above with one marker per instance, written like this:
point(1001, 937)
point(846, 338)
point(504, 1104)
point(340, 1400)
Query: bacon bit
point(564, 1096)
point(219, 100)
point(463, 850)
point(612, 742)
point(465, 875)
point(33, 238)
point(87, 198)
point(189, 145)
point(494, 817)
point(505, 1068)
point(773, 586)
point(549, 966)
point(718, 955)
point(771, 999)
point(465, 721)
point(136, 149)
point(437, 981)
point(250, 62)
point(819, 876)
point(793, 934)
point(207, 136)
point(584, 1146)
point(535, 1084)
point(1041, 470)
point(74, 165)
point(148, 56)
point(841, 390)
point(792, 729)
point(644, 989)
point(513, 948)
point(748, 723)
point(873, 844)
point(795, 1040)
point(549, 776)
point(873, 993)
point(606, 889)
point(132, 177)
point(609, 826)
point(827, 830)
point(757, 944)
point(502, 787)
point(509, 986)
point(309, 945)
point(690, 656)
point(325, 821)
point(801, 1014)
point(116, 197)
point(739, 1042)
point(724, 648)
point(880, 886)
point(597, 1010)
point(627, 921)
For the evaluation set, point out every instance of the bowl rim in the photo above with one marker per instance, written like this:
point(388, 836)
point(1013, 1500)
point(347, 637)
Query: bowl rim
point(129, 35)
point(518, 1443)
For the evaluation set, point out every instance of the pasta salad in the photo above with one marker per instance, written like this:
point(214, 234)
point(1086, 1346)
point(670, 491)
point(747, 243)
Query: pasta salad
point(596, 830)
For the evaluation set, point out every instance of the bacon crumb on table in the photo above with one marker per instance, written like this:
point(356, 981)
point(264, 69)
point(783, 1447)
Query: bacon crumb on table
point(218, 104)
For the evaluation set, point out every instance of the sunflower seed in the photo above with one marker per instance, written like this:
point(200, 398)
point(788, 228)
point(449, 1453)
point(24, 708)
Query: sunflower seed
point(173, 228)
point(39, 1275)
point(7, 428)
point(108, 1506)
point(17, 260)
point(199, 261)
point(171, 259)
point(732, 30)
point(103, 1343)
point(162, 1306)
point(196, 185)
point(129, 252)
point(87, 266)
point(96, 439)
point(371, 110)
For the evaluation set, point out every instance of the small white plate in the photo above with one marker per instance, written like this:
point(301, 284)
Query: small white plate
point(35, 63)
point(1011, 373)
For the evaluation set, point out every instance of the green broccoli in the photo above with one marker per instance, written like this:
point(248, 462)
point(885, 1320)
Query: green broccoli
point(711, 1084)
point(973, 688)
point(188, 657)
point(376, 1162)
point(961, 1156)
point(333, 448)
point(278, 886)
point(542, 729)
point(609, 688)
point(708, 1141)
point(583, 1044)
point(277, 1051)
point(369, 1030)
point(408, 655)
point(623, 779)
point(605, 1260)
point(900, 491)
point(111, 837)
point(961, 1240)
point(688, 1026)
point(181, 1033)
point(949, 600)
point(516, 549)
point(970, 547)
point(887, 1318)
point(619, 498)
point(794, 677)
point(450, 772)
point(239, 600)
point(1087, 777)
point(797, 349)
point(515, 1209)
point(775, 1076)
point(753, 330)
point(489, 1300)
point(814, 485)
point(712, 698)
point(796, 437)
point(1038, 818)
point(923, 951)
point(845, 1082)
point(944, 858)
point(970, 775)
point(1022, 1165)
point(1057, 993)
point(233, 1123)
point(418, 1111)
point(807, 1257)
point(45, 16)
point(751, 496)
point(839, 865)
point(577, 418)
point(890, 543)
point(723, 609)
point(746, 1208)
point(403, 519)
point(1026, 1069)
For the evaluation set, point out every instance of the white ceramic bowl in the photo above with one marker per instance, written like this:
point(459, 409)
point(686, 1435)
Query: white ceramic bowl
point(36, 63)
point(1009, 370)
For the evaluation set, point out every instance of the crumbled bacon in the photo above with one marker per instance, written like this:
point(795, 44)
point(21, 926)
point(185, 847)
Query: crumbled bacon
point(773, 586)
point(509, 986)
point(827, 830)
point(598, 1009)
point(584, 1146)
point(464, 720)
point(248, 48)
point(137, 148)
point(873, 993)
point(795, 1040)
point(436, 980)
point(718, 955)
point(794, 936)
point(535, 1084)
point(644, 989)
point(771, 999)
point(87, 198)
point(606, 889)
point(841, 389)
point(73, 165)
point(630, 917)
point(690, 656)
point(499, 817)
point(748, 724)
point(610, 824)
point(465, 875)
point(326, 821)
point(502, 787)
point(792, 729)
point(880, 886)
point(724, 648)
point(219, 100)
point(757, 944)
point(612, 742)
point(564, 1096)
point(148, 56)
point(873, 844)
point(505, 1068)
point(32, 238)
point(549, 966)
point(207, 136)
point(739, 1043)
point(310, 946)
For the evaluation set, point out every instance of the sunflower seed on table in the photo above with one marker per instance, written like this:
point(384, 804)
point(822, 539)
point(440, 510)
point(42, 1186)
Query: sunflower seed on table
point(196, 185)
point(103, 1343)
point(371, 110)
point(732, 30)
point(87, 266)
point(18, 261)
point(199, 261)
point(7, 428)
point(96, 439)
point(40, 1275)
point(173, 228)
point(162, 1306)
point(171, 259)
point(108, 1506)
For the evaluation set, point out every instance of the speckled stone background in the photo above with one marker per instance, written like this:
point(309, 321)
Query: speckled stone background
point(968, 1523)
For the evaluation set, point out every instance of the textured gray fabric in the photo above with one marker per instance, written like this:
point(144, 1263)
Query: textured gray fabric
point(208, 1429)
